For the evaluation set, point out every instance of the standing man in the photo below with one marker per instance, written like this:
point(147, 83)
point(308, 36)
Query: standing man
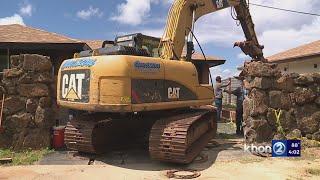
point(218, 95)
point(240, 93)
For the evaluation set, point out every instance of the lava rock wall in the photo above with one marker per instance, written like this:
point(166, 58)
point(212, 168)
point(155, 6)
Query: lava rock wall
point(28, 113)
point(280, 106)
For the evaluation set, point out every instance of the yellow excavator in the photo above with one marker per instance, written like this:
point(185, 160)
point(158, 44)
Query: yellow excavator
point(140, 85)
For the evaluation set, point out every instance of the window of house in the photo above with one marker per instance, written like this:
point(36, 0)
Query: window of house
point(315, 66)
point(4, 62)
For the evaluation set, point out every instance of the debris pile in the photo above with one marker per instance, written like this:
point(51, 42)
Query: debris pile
point(280, 106)
point(27, 111)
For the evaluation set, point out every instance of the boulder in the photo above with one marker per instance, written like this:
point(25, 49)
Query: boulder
point(285, 83)
point(19, 121)
point(13, 104)
point(271, 118)
point(247, 84)
point(316, 136)
point(16, 61)
point(262, 83)
point(316, 77)
point(259, 69)
point(11, 73)
point(38, 63)
point(45, 102)
point(33, 90)
point(309, 136)
point(304, 96)
point(246, 108)
point(44, 117)
point(30, 77)
point(317, 101)
point(5, 141)
point(309, 125)
point(279, 136)
point(32, 139)
point(31, 105)
point(294, 75)
point(278, 99)
point(295, 134)
point(250, 136)
point(263, 130)
point(9, 81)
point(305, 111)
point(275, 99)
point(11, 90)
point(304, 80)
point(259, 100)
point(287, 120)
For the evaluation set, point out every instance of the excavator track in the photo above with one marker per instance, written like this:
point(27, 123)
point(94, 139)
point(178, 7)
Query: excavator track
point(78, 135)
point(179, 139)
point(98, 136)
point(176, 136)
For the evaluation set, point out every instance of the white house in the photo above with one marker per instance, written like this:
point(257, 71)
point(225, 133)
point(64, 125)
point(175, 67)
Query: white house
point(302, 59)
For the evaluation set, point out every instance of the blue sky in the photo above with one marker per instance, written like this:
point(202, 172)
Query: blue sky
point(104, 19)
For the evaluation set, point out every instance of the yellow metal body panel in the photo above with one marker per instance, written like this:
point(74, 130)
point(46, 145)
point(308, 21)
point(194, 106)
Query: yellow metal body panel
point(113, 82)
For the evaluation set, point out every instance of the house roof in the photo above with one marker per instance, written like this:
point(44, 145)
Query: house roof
point(23, 34)
point(93, 44)
point(306, 50)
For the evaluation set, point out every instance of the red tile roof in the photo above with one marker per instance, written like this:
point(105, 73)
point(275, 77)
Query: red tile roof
point(306, 50)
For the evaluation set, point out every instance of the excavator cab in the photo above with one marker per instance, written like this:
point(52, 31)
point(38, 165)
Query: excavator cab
point(140, 41)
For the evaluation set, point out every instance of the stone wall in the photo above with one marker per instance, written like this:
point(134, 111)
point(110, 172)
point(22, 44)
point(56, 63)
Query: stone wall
point(294, 98)
point(28, 112)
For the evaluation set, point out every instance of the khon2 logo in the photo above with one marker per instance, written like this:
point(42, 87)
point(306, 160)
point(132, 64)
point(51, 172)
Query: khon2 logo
point(279, 148)
point(286, 148)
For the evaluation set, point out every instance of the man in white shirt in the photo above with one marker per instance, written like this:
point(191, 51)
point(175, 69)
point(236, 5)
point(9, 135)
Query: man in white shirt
point(218, 95)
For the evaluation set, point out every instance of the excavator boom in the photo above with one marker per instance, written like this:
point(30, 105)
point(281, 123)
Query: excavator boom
point(183, 15)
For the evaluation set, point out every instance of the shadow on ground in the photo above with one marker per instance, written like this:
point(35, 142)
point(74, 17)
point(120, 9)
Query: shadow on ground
point(224, 147)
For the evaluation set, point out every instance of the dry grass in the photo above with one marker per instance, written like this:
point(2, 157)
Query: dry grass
point(26, 157)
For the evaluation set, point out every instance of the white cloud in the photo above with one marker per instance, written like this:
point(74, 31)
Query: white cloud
point(276, 30)
point(152, 32)
point(242, 56)
point(224, 73)
point(26, 9)
point(89, 13)
point(15, 19)
point(133, 12)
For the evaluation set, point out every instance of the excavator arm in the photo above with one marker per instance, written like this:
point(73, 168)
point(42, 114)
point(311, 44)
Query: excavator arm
point(183, 15)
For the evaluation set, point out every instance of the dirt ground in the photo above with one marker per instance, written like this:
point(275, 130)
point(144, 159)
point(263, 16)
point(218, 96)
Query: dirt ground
point(225, 160)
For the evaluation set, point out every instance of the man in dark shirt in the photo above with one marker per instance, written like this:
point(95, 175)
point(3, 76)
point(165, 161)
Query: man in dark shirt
point(240, 93)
